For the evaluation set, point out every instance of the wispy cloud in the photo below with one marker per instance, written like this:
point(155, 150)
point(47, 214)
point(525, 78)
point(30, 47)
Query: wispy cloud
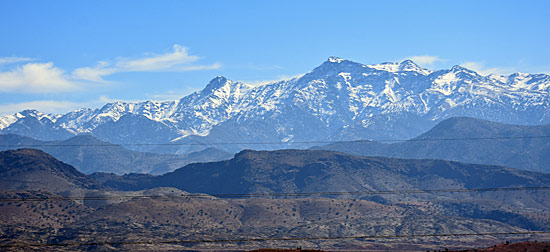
point(94, 74)
point(11, 60)
point(425, 60)
point(178, 60)
point(216, 65)
point(481, 69)
point(36, 78)
point(281, 77)
point(46, 106)
point(158, 62)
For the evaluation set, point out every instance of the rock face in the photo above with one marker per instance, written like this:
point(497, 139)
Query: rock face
point(339, 100)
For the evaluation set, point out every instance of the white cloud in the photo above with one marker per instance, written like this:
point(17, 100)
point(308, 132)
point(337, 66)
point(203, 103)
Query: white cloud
point(481, 69)
point(158, 62)
point(94, 74)
point(11, 60)
point(178, 61)
point(216, 65)
point(36, 78)
point(46, 78)
point(424, 60)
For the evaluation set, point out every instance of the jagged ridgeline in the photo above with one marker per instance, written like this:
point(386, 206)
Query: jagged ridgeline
point(338, 100)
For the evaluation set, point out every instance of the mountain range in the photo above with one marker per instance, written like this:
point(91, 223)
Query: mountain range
point(461, 139)
point(466, 140)
point(338, 100)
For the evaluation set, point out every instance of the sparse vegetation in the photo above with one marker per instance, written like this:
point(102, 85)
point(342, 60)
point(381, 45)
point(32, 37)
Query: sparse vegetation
point(189, 218)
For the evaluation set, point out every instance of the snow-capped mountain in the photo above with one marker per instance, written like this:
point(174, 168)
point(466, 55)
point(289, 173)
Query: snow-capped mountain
point(339, 100)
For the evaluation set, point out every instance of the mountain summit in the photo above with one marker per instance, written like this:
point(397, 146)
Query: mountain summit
point(216, 83)
point(338, 100)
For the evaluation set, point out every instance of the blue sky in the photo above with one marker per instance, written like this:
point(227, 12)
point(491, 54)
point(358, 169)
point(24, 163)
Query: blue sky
point(56, 56)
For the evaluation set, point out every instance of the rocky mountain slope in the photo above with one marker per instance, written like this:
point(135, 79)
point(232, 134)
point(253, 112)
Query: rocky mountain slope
point(466, 140)
point(268, 220)
point(181, 223)
point(296, 171)
point(31, 169)
point(338, 100)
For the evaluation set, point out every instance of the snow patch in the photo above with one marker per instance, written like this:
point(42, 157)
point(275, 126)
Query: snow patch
point(443, 83)
point(287, 139)
point(334, 59)
point(6, 121)
point(388, 67)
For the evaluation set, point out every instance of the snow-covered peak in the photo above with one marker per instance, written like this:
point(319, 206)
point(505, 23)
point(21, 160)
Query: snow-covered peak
point(386, 66)
point(519, 75)
point(333, 64)
point(219, 80)
point(117, 105)
point(27, 112)
point(497, 78)
point(221, 86)
point(335, 59)
point(36, 114)
point(458, 68)
point(6, 121)
point(332, 67)
point(216, 84)
point(397, 67)
point(409, 66)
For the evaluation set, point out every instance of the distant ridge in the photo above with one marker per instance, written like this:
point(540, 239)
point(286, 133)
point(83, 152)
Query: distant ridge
point(485, 147)
point(89, 155)
point(296, 171)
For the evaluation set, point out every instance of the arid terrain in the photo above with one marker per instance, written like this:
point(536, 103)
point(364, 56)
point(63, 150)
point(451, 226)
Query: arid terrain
point(36, 214)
